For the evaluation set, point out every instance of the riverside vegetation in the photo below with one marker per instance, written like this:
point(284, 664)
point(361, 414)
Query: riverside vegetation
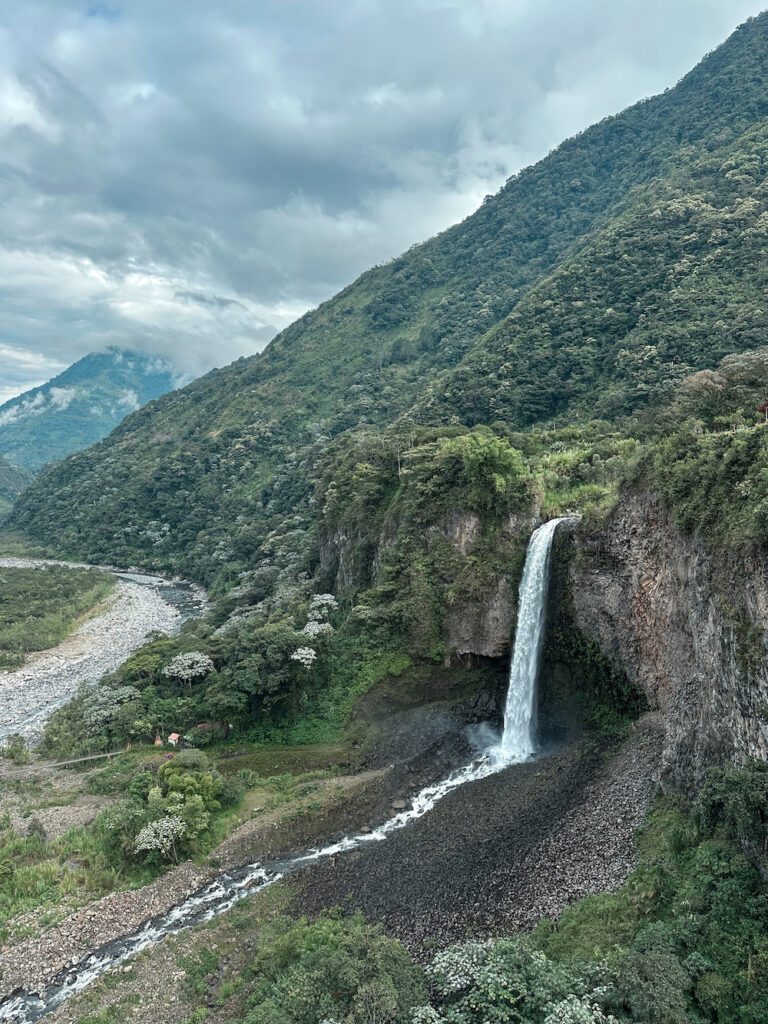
point(39, 607)
point(13, 480)
point(600, 323)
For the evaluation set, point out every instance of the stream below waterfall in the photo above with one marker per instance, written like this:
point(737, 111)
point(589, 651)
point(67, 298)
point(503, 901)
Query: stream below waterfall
point(516, 744)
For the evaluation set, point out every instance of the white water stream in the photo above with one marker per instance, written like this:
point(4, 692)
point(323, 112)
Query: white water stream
point(517, 742)
point(516, 745)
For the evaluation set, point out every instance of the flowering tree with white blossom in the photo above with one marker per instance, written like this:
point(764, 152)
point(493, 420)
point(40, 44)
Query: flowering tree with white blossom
point(314, 629)
point(305, 656)
point(321, 606)
point(161, 836)
point(186, 667)
point(509, 980)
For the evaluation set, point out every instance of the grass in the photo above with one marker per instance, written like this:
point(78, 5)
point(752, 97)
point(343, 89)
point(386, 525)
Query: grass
point(269, 760)
point(54, 876)
point(40, 606)
point(14, 545)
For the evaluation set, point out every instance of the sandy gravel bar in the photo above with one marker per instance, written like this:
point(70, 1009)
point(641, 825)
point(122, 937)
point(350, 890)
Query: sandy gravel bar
point(29, 694)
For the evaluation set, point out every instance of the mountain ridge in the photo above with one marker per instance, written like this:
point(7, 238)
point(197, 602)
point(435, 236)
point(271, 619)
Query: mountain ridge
point(211, 453)
point(80, 405)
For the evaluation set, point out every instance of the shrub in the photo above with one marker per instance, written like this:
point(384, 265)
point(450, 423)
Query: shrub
point(337, 969)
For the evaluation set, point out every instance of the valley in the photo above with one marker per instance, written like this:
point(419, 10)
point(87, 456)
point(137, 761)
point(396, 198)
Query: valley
point(424, 673)
point(140, 605)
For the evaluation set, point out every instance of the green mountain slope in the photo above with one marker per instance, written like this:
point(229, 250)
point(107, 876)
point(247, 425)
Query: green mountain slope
point(13, 480)
point(80, 406)
point(672, 285)
point(381, 448)
point(616, 236)
point(593, 252)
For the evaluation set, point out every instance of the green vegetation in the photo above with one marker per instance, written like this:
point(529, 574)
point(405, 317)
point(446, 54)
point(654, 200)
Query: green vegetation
point(126, 845)
point(77, 407)
point(687, 934)
point(335, 969)
point(39, 607)
point(711, 465)
point(13, 480)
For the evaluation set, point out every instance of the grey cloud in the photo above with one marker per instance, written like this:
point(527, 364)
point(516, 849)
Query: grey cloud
point(187, 179)
point(210, 300)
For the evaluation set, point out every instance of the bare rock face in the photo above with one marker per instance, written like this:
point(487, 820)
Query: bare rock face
point(480, 623)
point(482, 626)
point(688, 626)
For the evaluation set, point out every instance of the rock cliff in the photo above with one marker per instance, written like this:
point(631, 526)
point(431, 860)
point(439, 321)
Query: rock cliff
point(687, 625)
point(478, 603)
point(481, 623)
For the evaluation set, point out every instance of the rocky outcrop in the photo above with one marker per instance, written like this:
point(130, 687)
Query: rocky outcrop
point(478, 623)
point(481, 629)
point(687, 625)
point(481, 624)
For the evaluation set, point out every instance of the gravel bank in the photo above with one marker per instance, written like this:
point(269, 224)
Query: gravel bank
point(501, 853)
point(139, 605)
point(31, 962)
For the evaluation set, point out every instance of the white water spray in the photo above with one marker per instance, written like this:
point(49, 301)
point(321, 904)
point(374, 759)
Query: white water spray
point(517, 739)
point(230, 887)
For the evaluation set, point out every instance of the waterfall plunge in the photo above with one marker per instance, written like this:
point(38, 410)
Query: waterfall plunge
point(517, 739)
point(231, 887)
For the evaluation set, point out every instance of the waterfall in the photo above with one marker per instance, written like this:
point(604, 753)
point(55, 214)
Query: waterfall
point(232, 886)
point(517, 739)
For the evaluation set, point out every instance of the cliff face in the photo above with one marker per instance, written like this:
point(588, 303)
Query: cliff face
point(686, 625)
point(478, 585)
point(481, 623)
point(640, 616)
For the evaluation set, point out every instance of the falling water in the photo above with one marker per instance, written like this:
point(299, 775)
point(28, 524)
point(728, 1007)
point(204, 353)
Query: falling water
point(517, 739)
point(229, 888)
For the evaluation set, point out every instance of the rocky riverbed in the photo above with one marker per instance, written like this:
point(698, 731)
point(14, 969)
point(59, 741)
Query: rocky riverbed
point(139, 605)
point(499, 854)
point(493, 856)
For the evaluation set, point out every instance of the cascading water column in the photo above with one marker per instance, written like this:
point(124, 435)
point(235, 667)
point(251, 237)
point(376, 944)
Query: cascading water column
point(517, 739)
point(231, 887)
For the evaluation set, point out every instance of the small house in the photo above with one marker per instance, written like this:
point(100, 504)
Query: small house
point(174, 738)
point(764, 410)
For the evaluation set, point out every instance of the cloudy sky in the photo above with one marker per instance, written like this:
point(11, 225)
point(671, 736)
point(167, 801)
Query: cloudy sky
point(185, 178)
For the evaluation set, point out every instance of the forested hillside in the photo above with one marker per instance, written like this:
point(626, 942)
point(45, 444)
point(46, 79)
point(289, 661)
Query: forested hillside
point(395, 447)
point(590, 284)
point(13, 480)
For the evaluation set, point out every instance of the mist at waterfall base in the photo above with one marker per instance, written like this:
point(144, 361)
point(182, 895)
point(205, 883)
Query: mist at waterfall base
point(495, 753)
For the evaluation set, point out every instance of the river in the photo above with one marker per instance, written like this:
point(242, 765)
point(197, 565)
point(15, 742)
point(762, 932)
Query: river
point(140, 605)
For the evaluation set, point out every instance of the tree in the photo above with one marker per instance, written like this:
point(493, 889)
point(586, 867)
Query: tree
point(186, 667)
point(305, 656)
point(161, 837)
point(506, 981)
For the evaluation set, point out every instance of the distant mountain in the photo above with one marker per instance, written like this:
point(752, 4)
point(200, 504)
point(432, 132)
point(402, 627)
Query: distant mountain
point(13, 480)
point(80, 406)
point(590, 285)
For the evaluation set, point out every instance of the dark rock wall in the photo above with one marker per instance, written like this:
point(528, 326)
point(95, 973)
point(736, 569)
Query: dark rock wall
point(686, 625)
